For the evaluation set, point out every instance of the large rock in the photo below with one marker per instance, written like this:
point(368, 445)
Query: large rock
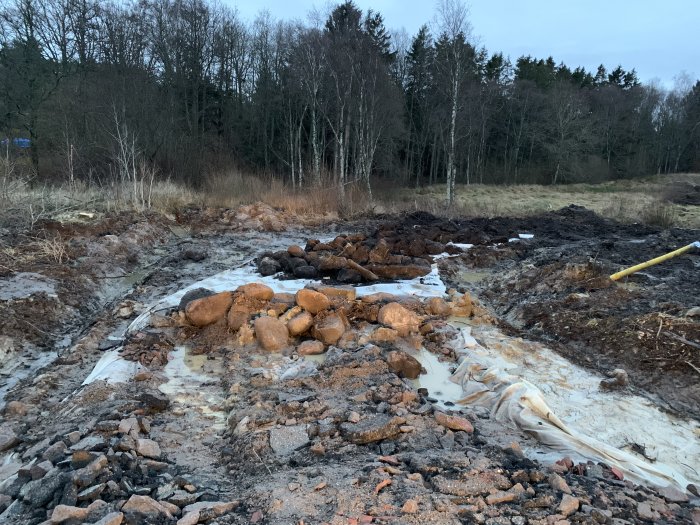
point(312, 301)
point(399, 318)
point(370, 430)
point(208, 310)
point(8, 438)
point(237, 316)
point(299, 324)
point(329, 329)
point(268, 266)
point(403, 364)
point(296, 251)
point(197, 293)
point(85, 476)
point(305, 272)
point(145, 508)
point(257, 291)
point(271, 333)
point(285, 440)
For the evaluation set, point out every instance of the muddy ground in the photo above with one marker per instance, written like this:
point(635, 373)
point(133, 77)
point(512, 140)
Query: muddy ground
point(249, 447)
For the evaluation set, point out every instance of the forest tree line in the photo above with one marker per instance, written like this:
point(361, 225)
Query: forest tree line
point(189, 88)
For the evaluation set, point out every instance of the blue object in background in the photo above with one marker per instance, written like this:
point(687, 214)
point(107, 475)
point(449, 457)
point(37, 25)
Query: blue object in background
point(17, 142)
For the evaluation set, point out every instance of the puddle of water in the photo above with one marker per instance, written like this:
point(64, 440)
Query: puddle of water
point(437, 379)
point(193, 382)
point(25, 284)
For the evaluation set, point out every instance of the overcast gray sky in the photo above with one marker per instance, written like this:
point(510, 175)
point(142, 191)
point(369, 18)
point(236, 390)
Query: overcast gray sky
point(657, 37)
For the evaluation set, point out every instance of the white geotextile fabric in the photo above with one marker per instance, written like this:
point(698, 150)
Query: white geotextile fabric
point(513, 399)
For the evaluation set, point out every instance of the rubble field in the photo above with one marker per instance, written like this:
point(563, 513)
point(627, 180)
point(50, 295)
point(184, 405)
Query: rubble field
point(235, 367)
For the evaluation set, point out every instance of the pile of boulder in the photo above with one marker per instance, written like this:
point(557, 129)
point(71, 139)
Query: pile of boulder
point(311, 320)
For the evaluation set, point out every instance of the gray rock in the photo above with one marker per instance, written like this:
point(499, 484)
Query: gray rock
point(55, 452)
point(285, 440)
point(268, 266)
point(91, 443)
point(305, 272)
point(38, 493)
point(8, 438)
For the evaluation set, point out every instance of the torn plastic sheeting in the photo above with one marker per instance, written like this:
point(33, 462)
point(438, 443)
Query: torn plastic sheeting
point(113, 368)
point(511, 398)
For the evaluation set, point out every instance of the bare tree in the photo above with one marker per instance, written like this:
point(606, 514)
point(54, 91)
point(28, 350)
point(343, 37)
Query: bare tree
point(455, 30)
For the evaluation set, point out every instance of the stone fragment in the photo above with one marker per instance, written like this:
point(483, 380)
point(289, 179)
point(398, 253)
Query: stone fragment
point(438, 306)
point(212, 508)
point(404, 365)
point(568, 505)
point(371, 429)
point(673, 494)
point(646, 512)
point(479, 483)
point(410, 506)
point(383, 335)
point(113, 518)
point(208, 310)
point(92, 443)
point(285, 440)
point(128, 424)
point(63, 513)
point(39, 470)
point(311, 348)
point(145, 508)
point(299, 324)
point(148, 448)
point(454, 422)
point(501, 497)
point(271, 333)
point(312, 301)
point(558, 483)
point(399, 318)
point(85, 476)
point(191, 518)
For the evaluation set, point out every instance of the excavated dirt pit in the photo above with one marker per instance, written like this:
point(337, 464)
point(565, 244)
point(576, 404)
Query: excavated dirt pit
point(142, 417)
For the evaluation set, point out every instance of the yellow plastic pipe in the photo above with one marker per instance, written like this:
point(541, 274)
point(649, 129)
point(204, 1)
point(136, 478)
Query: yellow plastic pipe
point(652, 262)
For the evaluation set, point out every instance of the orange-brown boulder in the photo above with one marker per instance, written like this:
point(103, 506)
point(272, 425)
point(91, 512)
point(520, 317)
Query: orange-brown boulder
point(257, 291)
point(329, 329)
point(299, 324)
point(271, 333)
point(312, 301)
point(399, 318)
point(208, 310)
